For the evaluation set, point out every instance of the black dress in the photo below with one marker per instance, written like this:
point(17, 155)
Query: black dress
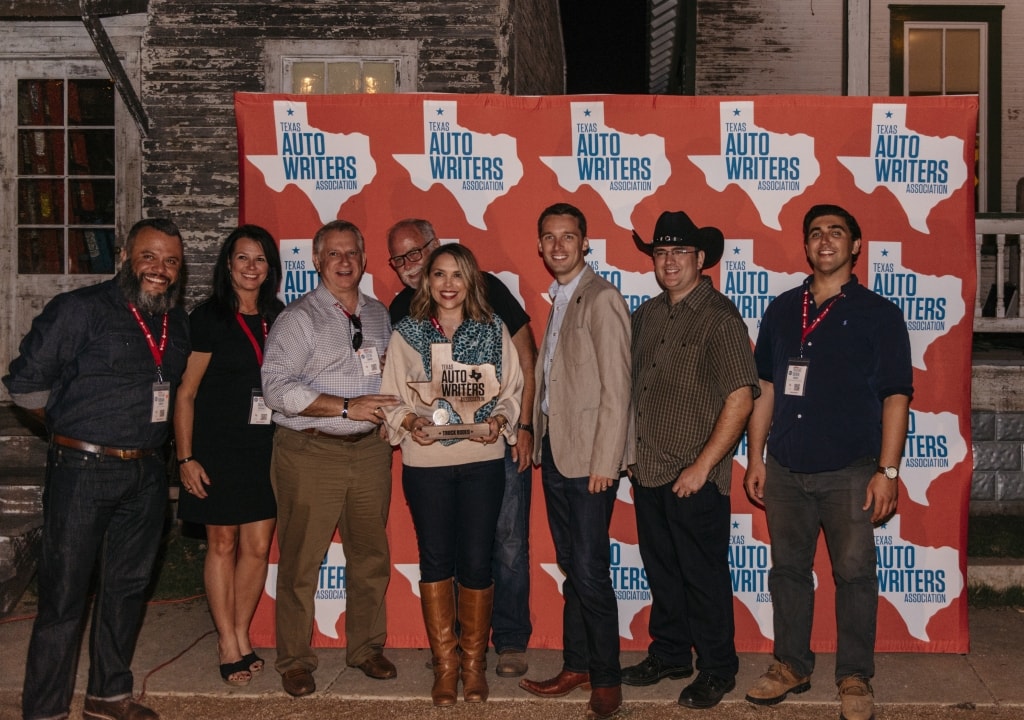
point(235, 454)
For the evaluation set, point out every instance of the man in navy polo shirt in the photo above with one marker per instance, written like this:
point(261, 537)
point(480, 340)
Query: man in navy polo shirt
point(836, 381)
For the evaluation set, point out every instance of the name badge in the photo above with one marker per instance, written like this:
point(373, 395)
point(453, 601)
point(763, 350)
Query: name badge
point(370, 359)
point(161, 402)
point(796, 376)
point(259, 413)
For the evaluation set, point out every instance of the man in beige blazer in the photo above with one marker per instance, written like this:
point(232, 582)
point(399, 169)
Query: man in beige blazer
point(581, 415)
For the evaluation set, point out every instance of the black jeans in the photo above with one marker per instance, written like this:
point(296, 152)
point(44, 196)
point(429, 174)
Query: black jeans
point(579, 524)
point(93, 507)
point(455, 511)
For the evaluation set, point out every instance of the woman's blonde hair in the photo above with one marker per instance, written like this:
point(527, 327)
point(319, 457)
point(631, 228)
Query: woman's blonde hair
point(476, 306)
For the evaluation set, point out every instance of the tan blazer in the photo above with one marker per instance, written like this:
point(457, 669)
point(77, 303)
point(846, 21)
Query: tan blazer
point(589, 383)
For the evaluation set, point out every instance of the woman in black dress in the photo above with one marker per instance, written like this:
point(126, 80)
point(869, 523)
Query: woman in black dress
point(224, 435)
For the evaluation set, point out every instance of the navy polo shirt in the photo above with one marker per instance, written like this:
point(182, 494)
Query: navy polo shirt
point(858, 355)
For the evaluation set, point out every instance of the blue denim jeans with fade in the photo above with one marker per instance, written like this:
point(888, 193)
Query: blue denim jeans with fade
point(798, 506)
point(94, 507)
point(510, 622)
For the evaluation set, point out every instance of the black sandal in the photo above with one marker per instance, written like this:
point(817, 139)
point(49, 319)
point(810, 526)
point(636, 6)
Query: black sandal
point(236, 668)
point(254, 661)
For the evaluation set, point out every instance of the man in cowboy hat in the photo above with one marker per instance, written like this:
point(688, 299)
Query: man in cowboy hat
point(693, 388)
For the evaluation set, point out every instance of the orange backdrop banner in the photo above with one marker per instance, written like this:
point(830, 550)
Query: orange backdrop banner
point(482, 167)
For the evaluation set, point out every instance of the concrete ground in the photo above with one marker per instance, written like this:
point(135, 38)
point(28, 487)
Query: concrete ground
point(175, 669)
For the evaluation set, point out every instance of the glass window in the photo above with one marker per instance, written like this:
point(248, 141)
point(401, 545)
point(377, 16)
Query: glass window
point(66, 182)
point(340, 76)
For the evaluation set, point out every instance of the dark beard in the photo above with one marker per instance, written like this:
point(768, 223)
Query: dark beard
point(131, 286)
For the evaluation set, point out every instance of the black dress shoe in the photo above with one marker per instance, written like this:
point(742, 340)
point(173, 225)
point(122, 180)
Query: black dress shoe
point(652, 669)
point(706, 691)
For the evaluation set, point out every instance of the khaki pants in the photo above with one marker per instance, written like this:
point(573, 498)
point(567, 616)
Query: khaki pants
point(323, 483)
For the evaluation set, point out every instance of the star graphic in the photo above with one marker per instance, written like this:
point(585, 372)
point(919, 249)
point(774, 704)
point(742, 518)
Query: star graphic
point(295, 250)
point(885, 253)
point(440, 111)
point(586, 112)
point(290, 111)
point(888, 114)
point(735, 251)
point(735, 525)
point(736, 112)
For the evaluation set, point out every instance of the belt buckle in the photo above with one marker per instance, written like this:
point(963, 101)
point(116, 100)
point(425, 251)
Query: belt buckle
point(123, 454)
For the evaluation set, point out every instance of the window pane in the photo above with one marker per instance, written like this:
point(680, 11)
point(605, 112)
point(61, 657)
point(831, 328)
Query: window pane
point(92, 202)
point(40, 202)
point(379, 77)
point(91, 251)
point(91, 152)
point(308, 78)
point(90, 102)
point(925, 62)
point(40, 102)
point(343, 78)
point(41, 152)
point(40, 251)
point(963, 61)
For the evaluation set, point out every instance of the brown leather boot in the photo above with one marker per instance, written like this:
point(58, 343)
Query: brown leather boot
point(438, 601)
point(475, 621)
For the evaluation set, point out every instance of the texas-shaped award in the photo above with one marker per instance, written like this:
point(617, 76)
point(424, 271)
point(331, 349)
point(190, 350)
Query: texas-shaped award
point(467, 388)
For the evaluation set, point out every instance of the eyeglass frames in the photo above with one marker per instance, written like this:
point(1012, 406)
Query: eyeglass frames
point(412, 256)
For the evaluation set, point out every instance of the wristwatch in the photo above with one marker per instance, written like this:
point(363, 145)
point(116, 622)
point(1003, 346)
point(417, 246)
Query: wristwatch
point(528, 427)
point(889, 471)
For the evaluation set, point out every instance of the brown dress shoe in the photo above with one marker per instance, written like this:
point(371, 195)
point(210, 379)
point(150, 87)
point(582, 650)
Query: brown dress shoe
point(779, 681)
point(511, 663)
point(378, 667)
point(123, 709)
point(562, 684)
point(298, 682)
point(856, 698)
point(604, 702)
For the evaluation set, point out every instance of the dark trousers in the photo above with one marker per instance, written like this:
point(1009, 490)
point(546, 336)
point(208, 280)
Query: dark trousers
point(798, 506)
point(579, 524)
point(684, 543)
point(455, 509)
point(94, 507)
point(510, 621)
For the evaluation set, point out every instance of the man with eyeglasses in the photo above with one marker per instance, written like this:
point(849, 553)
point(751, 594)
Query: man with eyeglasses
point(410, 243)
point(694, 384)
point(331, 468)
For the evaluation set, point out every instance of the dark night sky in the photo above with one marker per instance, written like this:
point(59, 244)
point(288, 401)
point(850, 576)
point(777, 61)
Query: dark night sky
point(604, 45)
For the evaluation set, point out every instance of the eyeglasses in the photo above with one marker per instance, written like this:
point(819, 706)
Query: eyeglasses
point(674, 252)
point(357, 336)
point(412, 256)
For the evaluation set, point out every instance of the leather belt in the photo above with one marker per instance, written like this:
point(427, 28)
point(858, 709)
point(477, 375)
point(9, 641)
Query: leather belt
point(342, 438)
point(120, 453)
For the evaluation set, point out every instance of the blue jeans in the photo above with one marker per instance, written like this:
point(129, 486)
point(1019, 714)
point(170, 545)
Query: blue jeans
point(579, 523)
point(798, 506)
point(510, 563)
point(684, 543)
point(455, 509)
point(93, 507)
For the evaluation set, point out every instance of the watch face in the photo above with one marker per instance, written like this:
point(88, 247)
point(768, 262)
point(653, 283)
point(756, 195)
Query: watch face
point(891, 473)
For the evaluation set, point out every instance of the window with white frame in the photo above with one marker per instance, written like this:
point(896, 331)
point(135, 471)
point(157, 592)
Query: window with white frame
point(340, 67)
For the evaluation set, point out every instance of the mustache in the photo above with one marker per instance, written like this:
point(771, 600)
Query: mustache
point(130, 283)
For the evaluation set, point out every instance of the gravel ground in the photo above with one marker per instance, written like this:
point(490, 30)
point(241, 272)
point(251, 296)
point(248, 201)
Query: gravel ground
point(203, 707)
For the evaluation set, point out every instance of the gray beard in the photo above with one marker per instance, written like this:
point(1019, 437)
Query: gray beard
point(131, 286)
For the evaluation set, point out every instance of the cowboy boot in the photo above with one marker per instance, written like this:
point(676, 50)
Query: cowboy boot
point(475, 621)
point(438, 600)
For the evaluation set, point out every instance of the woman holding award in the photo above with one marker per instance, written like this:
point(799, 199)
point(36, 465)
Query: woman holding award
point(223, 434)
point(452, 363)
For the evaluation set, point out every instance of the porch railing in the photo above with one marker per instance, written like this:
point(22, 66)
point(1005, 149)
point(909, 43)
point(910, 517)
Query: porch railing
point(999, 271)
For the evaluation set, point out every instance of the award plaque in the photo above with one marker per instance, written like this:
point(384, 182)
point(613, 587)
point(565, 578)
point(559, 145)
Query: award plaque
point(467, 388)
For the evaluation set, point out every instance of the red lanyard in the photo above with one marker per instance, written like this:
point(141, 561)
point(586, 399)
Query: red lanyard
point(808, 329)
point(437, 326)
point(252, 338)
point(157, 351)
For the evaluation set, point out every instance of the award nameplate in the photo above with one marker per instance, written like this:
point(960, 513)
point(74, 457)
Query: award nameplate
point(467, 388)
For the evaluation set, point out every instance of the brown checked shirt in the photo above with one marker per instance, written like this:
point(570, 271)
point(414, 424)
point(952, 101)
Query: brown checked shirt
point(687, 359)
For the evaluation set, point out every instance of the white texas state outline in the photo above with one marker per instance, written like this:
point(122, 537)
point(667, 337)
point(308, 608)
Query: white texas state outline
point(771, 168)
point(329, 168)
point(636, 287)
point(476, 168)
point(750, 560)
point(934, 445)
point(300, 276)
point(932, 305)
point(629, 565)
point(917, 580)
point(750, 286)
point(326, 612)
point(919, 170)
point(622, 168)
